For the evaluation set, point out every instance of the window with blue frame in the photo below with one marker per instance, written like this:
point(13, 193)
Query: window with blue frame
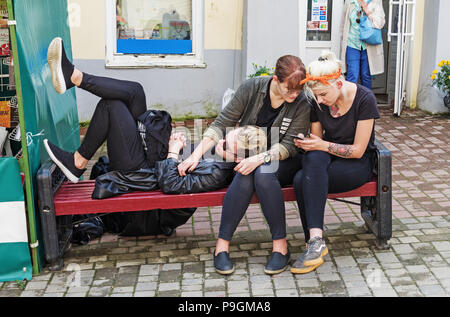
point(154, 26)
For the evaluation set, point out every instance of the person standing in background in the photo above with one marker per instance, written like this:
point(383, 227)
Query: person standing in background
point(361, 60)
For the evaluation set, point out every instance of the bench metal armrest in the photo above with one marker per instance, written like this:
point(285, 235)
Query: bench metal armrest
point(384, 198)
point(56, 232)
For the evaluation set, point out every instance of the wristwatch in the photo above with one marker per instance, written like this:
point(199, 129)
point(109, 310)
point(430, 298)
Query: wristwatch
point(267, 158)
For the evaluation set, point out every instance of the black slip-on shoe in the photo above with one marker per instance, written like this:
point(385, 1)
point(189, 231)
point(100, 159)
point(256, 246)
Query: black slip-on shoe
point(64, 160)
point(277, 263)
point(223, 264)
point(61, 69)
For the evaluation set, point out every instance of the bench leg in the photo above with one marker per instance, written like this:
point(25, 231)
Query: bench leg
point(377, 215)
point(382, 244)
point(56, 231)
point(50, 235)
point(382, 211)
point(56, 265)
point(367, 208)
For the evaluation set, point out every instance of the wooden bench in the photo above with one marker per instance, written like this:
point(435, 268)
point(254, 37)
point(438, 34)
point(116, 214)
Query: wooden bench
point(59, 200)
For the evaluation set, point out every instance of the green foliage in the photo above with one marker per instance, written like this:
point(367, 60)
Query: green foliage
point(21, 284)
point(158, 106)
point(211, 110)
point(84, 124)
point(261, 71)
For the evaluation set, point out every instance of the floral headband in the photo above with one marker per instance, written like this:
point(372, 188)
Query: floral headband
point(323, 79)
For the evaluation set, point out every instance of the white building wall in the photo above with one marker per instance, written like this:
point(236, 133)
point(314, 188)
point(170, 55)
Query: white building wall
point(436, 47)
point(271, 31)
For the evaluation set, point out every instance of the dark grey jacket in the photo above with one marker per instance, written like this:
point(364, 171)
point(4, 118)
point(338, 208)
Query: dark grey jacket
point(243, 109)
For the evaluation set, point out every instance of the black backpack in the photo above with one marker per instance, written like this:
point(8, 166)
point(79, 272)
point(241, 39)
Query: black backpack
point(100, 167)
point(155, 127)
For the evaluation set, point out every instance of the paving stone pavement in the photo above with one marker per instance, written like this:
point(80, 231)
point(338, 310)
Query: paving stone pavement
point(182, 265)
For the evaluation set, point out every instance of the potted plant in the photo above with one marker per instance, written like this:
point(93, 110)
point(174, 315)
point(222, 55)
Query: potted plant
point(261, 71)
point(441, 79)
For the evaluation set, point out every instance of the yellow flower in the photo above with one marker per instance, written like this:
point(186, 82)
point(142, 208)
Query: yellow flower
point(448, 77)
point(265, 74)
point(448, 62)
point(435, 71)
point(433, 77)
point(440, 64)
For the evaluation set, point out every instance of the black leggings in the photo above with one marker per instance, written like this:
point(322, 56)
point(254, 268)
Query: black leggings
point(268, 189)
point(324, 173)
point(114, 121)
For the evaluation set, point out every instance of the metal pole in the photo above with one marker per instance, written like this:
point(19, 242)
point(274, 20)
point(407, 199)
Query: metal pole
point(398, 77)
point(23, 131)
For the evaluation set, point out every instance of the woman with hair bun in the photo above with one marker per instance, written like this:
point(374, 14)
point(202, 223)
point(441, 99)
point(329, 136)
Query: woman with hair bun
point(267, 102)
point(339, 150)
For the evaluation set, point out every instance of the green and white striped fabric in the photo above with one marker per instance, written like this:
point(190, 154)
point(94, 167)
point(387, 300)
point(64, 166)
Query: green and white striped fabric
point(15, 259)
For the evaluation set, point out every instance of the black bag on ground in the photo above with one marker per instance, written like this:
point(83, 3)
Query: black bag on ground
point(155, 127)
point(153, 222)
point(88, 230)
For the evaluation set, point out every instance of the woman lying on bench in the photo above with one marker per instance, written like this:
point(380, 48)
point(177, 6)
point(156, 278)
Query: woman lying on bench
point(339, 153)
point(115, 121)
point(209, 175)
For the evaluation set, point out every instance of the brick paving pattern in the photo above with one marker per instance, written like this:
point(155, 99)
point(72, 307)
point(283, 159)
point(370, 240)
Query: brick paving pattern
point(182, 265)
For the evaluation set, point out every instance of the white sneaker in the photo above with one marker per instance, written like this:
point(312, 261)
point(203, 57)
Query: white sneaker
point(61, 69)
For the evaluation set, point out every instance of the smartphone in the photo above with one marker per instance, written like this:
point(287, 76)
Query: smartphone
point(297, 137)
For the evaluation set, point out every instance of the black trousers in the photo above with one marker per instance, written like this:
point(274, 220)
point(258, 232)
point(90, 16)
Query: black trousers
point(324, 173)
point(114, 121)
point(267, 186)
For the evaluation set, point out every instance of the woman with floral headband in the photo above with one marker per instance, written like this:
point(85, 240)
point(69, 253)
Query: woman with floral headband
point(339, 150)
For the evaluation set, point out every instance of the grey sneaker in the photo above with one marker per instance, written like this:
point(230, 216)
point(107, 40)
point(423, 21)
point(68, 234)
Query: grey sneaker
point(315, 252)
point(299, 266)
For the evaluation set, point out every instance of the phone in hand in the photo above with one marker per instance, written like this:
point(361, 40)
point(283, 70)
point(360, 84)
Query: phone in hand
point(298, 137)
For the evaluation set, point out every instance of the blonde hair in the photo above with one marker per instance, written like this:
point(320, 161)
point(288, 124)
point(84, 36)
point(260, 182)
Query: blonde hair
point(326, 64)
point(252, 138)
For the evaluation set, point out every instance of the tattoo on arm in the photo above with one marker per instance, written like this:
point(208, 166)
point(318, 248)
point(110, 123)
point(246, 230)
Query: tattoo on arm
point(341, 150)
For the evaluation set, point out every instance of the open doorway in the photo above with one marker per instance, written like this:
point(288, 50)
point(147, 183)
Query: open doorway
point(381, 82)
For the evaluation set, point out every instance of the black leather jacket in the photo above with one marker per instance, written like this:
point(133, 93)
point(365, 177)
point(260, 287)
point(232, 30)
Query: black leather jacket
point(209, 175)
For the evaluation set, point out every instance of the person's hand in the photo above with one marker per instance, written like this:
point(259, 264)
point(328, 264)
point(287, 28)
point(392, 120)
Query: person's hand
point(219, 148)
point(248, 165)
point(188, 165)
point(362, 3)
point(177, 141)
point(227, 156)
point(313, 143)
point(364, 6)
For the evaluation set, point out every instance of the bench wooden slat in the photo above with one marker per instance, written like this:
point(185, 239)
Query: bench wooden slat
point(73, 199)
